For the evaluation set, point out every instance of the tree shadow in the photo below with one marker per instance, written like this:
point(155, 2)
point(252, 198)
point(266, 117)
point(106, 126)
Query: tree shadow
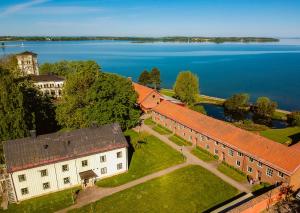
point(295, 138)
point(130, 149)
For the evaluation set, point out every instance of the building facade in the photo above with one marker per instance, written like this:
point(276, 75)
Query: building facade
point(48, 84)
point(27, 63)
point(261, 159)
point(53, 162)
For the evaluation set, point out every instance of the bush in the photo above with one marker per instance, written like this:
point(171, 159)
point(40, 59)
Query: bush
point(237, 102)
point(198, 108)
point(294, 118)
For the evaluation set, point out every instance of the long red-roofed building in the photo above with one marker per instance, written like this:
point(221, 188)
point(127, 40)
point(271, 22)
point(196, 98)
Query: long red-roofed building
point(260, 158)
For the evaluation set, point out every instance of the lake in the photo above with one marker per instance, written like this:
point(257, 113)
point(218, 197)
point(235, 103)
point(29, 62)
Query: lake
point(260, 69)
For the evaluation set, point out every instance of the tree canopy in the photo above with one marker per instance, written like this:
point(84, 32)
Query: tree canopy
point(97, 98)
point(64, 68)
point(186, 87)
point(264, 107)
point(294, 118)
point(155, 77)
point(145, 78)
point(237, 102)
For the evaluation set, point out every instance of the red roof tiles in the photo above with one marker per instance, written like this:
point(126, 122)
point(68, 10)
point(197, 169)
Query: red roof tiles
point(143, 93)
point(269, 152)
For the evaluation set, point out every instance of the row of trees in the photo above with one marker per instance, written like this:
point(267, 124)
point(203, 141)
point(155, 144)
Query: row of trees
point(151, 78)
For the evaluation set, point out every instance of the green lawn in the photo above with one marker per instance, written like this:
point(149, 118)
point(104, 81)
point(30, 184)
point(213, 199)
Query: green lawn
point(149, 122)
point(232, 172)
point(203, 154)
point(285, 136)
point(47, 203)
point(167, 92)
point(152, 155)
point(190, 189)
point(260, 186)
point(161, 130)
point(179, 141)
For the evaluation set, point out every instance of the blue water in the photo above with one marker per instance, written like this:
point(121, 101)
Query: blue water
point(269, 69)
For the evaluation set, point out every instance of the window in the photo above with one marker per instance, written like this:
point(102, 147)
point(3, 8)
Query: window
point(44, 173)
point(240, 154)
point(119, 166)
point(153, 96)
point(230, 152)
point(22, 178)
point(119, 154)
point(66, 180)
point(84, 163)
point(249, 169)
point(103, 158)
point(24, 191)
point(280, 174)
point(190, 138)
point(46, 185)
point(269, 172)
point(251, 159)
point(103, 170)
point(238, 163)
point(216, 151)
point(65, 167)
point(216, 143)
point(207, 146)
point(259, 164)
point(224, 146)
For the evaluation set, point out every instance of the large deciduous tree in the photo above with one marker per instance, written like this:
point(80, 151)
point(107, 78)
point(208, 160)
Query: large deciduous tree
point(237, 102)
point(186, 87)
point(155, 77)
point(145, 78)
point(264, 107)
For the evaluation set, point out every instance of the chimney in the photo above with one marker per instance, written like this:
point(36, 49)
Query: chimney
point(33, 133)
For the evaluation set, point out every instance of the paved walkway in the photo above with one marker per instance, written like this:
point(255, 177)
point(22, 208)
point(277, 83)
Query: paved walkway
point(95, 193)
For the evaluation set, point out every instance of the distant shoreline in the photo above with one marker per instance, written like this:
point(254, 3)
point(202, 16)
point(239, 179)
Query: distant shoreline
point(183, 39)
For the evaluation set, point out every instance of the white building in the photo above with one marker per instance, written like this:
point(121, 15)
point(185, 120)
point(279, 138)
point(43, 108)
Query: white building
point(27, 63)
point(53, 162)
point(48, 84)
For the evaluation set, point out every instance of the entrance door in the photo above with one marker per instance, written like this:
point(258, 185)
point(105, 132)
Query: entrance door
point(258, 175)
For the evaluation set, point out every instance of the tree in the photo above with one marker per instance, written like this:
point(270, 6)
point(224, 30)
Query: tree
point(64, 68)
point(294, 118)
point(264, 107)
point(237, 102)
point(155, 77)
point(103, 99)
point(186, 87)
point(10, 63)
point(145, 78)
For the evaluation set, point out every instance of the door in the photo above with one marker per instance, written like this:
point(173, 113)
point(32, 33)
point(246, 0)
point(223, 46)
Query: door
point(259, 175)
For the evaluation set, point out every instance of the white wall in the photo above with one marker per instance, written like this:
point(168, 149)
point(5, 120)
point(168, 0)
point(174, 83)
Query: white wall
point(34, 181)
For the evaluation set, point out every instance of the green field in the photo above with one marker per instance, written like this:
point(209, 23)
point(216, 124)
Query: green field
point(190, 189)
point(284, 136)
point(161, 130)
point(167, 92)
point(179, 141)
point(47, 203)
point(152, 155)
point(232, 172)
point(149, 122)
point(203, 154)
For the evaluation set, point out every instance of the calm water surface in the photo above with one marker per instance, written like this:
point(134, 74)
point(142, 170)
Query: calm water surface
point(269, 69)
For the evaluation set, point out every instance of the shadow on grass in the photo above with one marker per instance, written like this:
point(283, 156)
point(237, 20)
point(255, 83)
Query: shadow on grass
point(263, 190)
point(130, 149)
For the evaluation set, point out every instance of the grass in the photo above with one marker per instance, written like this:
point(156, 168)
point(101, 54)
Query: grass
point(284, 136)
point(149, 122)
point(161, 130)
point(260, 186)
point(279, 115)
point(179, 141)
point(152, 155)
point(190, 189)
point(167, 92)
point(250, 126)
point(232, 172)
point(47, 203)
point(203, 154)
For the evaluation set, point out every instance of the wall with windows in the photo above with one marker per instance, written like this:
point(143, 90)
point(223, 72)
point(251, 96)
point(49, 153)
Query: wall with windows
point(51, 88)
point(255, 168)
point(65, 174)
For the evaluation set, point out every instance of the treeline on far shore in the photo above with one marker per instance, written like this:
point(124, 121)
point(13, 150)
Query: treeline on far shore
point(141, 39)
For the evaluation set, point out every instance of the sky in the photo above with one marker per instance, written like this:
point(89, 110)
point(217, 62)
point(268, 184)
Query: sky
point(273, 18)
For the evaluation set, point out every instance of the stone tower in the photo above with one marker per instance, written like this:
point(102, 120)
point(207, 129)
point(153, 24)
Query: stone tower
point(27, 63)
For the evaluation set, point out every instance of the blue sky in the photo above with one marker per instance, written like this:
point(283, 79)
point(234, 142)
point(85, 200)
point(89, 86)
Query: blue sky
point(280, 18)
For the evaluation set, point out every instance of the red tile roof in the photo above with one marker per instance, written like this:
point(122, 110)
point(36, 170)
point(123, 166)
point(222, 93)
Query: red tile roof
point(269, 152)
point(143, 93)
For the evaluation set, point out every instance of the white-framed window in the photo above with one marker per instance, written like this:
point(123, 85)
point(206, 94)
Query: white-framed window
point(46, 185)
point(230, 152)
point(44, 173)
point(249, 169)
point(119, 154)
point(84, 163)
point(66, 180)
point(207, 146)
point(103, 170)
point(119, 166)
point(22, 178)
point(238, 163)
point(216, 151)
point(24, 191)
point(269, 172)
point(103, 158)
point(259, 164)
point(216, 143)
point(280, 174)
point(224, 146)
point(240, 154)
point(250, 159)
point(65, 168)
